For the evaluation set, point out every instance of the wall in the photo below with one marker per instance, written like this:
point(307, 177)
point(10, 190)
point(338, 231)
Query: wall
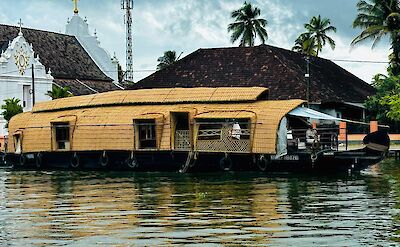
point(80, 29)
point(16, 71)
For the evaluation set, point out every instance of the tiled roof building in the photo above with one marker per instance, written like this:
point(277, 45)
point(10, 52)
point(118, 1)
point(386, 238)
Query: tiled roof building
point(280, 70)
point(69, 63)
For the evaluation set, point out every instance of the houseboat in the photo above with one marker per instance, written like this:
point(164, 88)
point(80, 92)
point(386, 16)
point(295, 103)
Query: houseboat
point(185, 129)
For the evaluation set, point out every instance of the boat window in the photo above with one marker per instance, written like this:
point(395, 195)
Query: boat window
point(210, 131)
point(146, 133)
point(62, 136)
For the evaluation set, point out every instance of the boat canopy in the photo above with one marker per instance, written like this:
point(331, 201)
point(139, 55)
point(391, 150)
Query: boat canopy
point(310, 113)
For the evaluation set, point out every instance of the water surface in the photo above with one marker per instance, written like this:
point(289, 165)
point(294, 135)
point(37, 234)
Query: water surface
point(59, 208)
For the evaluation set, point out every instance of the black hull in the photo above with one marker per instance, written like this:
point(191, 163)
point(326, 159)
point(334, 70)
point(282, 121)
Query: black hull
point(327, 161)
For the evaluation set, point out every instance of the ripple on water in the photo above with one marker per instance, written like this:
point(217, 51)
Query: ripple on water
point(163, 209)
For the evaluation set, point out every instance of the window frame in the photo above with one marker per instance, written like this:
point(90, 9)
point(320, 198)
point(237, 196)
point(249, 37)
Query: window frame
point(148, 128)
point(62, 144)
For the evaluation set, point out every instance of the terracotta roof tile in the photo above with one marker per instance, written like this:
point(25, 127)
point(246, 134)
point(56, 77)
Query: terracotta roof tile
point(62, 53)
point(84, 87)
point(280, 70)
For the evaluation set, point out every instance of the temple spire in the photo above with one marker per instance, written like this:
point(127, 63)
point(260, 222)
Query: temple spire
point(75, 7)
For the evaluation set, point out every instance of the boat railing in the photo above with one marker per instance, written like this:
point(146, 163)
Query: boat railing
point(182, 140)
point(225, 139)
point(324, 138)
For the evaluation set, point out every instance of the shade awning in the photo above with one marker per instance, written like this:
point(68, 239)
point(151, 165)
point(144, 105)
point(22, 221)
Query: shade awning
point(310, 113)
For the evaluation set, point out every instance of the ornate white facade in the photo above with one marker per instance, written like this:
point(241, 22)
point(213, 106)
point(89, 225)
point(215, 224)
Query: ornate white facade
point(80, 29)
point(16, 76)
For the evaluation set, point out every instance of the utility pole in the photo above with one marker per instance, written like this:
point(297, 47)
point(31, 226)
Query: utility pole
point(33, 85)
point(307, 76)
point(127, 5)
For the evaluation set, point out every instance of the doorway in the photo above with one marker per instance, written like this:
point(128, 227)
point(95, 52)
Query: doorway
point(181, 130)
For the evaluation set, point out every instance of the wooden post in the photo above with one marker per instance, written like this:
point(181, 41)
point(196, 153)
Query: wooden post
point(33, 86)
point(373, 126)
point(343, 132)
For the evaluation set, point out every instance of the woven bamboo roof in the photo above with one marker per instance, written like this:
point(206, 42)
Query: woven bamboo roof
point(111, 128)
point(157, 96)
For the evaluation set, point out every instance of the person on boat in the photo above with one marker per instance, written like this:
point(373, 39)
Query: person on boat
point(311, 135)
point(236, 131)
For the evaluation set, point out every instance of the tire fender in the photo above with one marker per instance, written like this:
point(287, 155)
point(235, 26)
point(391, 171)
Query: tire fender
point(225, 163)
point(75, 161)
point(103, 161)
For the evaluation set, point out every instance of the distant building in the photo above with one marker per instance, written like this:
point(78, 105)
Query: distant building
point(332, 89)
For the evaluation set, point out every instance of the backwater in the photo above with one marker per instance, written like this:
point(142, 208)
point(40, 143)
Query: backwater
point(85, 208)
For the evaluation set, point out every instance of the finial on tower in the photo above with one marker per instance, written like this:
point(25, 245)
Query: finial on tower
point(20, 26)
point(75, 7)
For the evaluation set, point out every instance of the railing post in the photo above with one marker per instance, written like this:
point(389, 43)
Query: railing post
point(343, 132)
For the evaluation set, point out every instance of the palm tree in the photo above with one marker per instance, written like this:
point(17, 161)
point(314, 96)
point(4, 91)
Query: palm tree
point(11, 108)
point(377, 19)
point(305, 44)
point(247, 26)
point(59, 92)
point(318, 29)
point(167, 59)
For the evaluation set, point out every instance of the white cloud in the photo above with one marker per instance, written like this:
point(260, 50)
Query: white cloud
point(185, 26)
point(363, 52)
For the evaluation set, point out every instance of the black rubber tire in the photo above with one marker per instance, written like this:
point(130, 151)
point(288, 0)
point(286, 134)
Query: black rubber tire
point(132, 163)
point(104, 160)
point(225, 163)
point(75, 161)
point(263, 163)
point(22, 160)
point(39, 160)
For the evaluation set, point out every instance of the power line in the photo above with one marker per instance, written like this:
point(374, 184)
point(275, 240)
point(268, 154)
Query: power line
point(358, 61)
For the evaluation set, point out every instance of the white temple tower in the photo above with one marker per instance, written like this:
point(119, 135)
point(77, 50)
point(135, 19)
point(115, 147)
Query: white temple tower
point(80, 29)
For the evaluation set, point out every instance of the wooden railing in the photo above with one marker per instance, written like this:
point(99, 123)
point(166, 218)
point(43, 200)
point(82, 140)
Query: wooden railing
point(182, 140)
point(225, 139)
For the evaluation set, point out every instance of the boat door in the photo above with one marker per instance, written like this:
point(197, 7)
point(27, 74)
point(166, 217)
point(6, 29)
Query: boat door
point(180, 131)
point(18, 143)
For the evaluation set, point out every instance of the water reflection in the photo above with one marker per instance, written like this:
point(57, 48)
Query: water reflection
point(142, 209)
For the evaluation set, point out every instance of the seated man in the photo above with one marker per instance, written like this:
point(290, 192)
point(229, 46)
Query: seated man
point(311, 135)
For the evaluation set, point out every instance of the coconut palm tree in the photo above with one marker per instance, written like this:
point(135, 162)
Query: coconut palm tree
point(318, 28)
point(377, 19)
point(305, 44)
point(247, 25)
point(11, 108)
point(59, 92)
point(167, 59)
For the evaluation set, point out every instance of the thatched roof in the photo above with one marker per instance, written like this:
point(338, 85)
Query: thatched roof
point(157, 96)
point(280, 70)
point(112, 128)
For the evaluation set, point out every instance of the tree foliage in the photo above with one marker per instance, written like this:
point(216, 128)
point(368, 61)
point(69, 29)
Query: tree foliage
point(305, 44)
point(316, 36)
point(377, 19)
point(167, 59)
point(11, 107)
point(59, 92)
point(247, 25)
point(385, 104)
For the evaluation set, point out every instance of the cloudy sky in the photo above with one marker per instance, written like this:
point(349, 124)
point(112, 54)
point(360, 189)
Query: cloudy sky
point(187, 25)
